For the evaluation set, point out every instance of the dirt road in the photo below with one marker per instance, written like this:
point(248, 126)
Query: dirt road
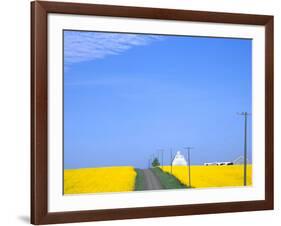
point(151, 181)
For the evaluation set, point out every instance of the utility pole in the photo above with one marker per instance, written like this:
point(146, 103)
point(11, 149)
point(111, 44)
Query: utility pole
point(157, 155)
point(171, 158)
point(189, 162)
point(245, 114)
point(162, 158)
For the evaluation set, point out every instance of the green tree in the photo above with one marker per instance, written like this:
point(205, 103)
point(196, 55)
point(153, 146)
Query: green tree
point(155, 162)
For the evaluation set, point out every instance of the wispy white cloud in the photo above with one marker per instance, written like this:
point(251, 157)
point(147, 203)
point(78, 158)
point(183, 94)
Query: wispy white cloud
point(87, 46)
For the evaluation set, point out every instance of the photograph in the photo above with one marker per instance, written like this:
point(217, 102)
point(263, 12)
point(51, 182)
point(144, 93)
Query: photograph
point(146, 112)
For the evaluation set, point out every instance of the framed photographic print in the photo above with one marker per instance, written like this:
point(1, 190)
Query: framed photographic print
point(148, 112)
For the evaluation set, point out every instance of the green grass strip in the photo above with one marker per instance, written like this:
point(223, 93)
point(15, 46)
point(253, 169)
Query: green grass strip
point(139, 180)
point(167, 180)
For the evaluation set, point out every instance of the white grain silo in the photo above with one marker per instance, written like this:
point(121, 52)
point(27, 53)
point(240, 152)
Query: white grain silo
point(179, 160)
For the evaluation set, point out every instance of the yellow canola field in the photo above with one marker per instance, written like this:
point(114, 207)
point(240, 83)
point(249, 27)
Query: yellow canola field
point(104, 179)
point(212, 176)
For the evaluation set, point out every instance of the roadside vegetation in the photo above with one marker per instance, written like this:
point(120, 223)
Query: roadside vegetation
point(139, 181)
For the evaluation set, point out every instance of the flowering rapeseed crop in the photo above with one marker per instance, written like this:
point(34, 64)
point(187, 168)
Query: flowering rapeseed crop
point(212, 176)
point(93, 180)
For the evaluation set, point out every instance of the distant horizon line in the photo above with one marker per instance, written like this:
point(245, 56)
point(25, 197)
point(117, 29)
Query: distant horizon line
point(111, 166)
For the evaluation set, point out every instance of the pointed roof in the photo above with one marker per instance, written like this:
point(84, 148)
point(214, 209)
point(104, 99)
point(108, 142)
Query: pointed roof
point(179, 160)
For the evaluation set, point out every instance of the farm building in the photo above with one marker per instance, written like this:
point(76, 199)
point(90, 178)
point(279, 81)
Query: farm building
point(179, 160)
point(218, 163)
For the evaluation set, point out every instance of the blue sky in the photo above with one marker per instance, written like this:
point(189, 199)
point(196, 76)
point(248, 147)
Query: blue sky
point(127, 96)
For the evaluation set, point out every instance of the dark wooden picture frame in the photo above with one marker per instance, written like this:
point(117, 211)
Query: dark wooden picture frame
point(39, 112)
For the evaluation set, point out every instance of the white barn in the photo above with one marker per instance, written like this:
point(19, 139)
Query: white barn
point(179, 160)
